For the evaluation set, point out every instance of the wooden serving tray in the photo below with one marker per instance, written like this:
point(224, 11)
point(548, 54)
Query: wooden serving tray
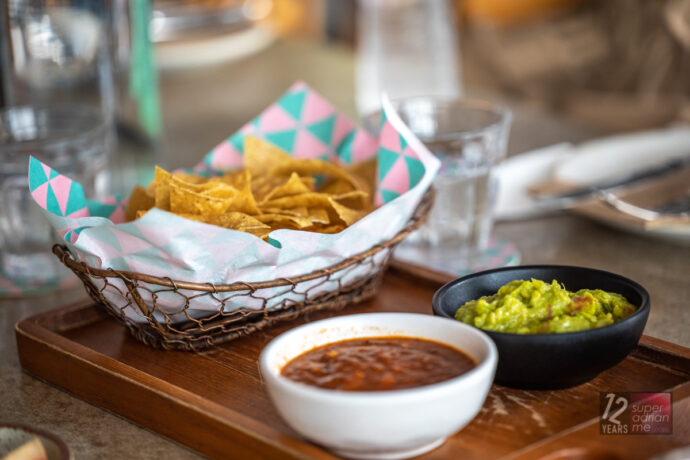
point(215, 403)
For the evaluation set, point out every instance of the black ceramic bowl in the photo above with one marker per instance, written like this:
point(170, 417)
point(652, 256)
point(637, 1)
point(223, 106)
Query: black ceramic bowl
point(551, 361)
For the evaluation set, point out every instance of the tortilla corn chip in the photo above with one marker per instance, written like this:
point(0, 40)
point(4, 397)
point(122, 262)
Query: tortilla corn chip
point(273, 191)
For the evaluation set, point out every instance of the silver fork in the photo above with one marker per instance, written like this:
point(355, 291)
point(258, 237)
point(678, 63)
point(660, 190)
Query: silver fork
point(630, 209)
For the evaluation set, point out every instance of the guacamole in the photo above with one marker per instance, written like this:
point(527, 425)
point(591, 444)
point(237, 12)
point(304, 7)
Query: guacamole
point(537, 307)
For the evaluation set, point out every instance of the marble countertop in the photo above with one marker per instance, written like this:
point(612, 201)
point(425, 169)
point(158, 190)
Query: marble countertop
point(200, 108)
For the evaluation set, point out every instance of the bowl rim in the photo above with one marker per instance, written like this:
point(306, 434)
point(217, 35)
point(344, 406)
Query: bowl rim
point(641, 309)
point(488, 364)
point(64, 448)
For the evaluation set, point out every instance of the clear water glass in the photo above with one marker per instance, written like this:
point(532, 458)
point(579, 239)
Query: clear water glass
point(90, 53)
point(71, 139)
point(56, 53)
point(405, 49)
point(470, 138)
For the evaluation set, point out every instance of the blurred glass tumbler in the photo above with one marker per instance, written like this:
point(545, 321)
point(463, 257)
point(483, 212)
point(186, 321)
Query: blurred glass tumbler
point(470, 139)
point(405, 49)
point(72, 140)
point(88, 53)
point(56, 53)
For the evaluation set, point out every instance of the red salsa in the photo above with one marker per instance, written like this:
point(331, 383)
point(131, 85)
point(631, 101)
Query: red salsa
point(377, 363)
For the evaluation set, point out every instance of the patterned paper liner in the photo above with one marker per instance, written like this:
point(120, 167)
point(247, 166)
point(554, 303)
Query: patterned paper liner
point(302, 123)
point(13, 288)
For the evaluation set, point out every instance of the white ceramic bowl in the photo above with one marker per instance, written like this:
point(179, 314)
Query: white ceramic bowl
point(381, 424)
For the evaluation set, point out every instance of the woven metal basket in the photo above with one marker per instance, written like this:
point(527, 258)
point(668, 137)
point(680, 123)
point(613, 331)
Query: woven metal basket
point(142, 302)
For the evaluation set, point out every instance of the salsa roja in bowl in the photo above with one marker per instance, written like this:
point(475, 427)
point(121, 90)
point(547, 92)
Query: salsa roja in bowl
point(379, 385)
point(378, 364)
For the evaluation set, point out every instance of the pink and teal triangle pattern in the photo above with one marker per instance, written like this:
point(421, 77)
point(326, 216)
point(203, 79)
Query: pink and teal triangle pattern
point(112, 207)
point(65, 198)
point(56, 193)
point(72, 235)
point(399, 166)
point(302, 123)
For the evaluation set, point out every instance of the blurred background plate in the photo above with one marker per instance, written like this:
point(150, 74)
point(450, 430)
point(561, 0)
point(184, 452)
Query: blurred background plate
point(665, 206)
point(191, 34)
point(213, 50)
point(175, 20)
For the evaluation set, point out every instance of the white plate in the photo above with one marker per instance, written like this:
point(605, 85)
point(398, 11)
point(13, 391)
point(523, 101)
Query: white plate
point(218, 49)
point(620, 156)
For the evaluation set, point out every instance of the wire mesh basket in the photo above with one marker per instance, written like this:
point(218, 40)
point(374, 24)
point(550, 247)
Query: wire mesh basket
point(179, 315)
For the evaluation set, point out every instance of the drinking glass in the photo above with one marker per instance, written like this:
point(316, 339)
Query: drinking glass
point(73, 141)
point(56, 53)
point(89, 53)
point(405, 49)
point(470, 139)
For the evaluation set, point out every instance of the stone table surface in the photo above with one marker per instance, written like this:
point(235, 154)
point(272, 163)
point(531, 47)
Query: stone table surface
point(203, 106)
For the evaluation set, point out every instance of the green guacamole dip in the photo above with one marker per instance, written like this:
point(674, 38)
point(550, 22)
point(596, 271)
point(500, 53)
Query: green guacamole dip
point(534, 307)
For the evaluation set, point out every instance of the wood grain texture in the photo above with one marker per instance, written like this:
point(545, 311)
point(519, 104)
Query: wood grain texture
point(215, 402)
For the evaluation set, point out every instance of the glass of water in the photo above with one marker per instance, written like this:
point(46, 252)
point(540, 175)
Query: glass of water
point(405, 49)
point(56, 53)
point(470, 139)
point(70, 139)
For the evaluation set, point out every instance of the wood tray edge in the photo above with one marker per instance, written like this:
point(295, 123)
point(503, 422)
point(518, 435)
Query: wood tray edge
point(50, 357)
